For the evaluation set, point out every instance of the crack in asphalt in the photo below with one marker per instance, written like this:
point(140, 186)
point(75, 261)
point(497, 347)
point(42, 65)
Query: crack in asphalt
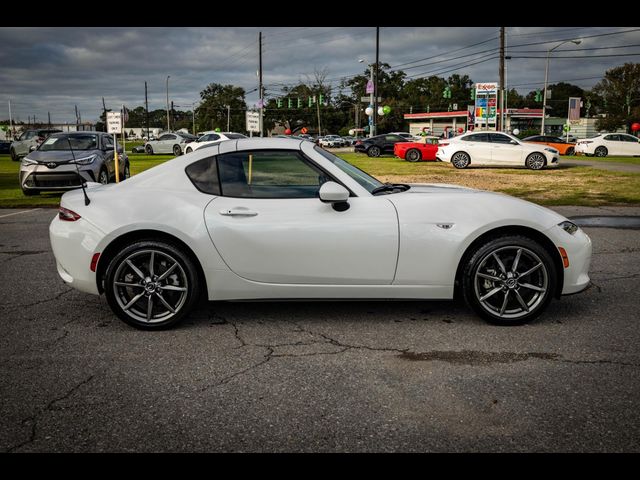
point(50, 407)
point(624, 277)
point(12, 307)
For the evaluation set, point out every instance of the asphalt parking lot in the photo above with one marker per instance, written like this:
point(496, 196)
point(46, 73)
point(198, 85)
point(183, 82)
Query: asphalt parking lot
point(317, 376)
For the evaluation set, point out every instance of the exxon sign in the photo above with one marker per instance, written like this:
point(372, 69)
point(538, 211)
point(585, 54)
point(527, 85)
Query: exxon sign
point(486, 88)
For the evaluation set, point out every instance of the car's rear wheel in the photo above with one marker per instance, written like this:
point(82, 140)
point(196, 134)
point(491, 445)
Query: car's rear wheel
point(149, 149)
point(413, 155)
point(373, 151)
point(14, 157)
point(460, 160)
point(570, 151)
point(509, 280)
point(151, 285)
point(103, 177)
point(536, 161)
point(177, 151)
point(601, 152)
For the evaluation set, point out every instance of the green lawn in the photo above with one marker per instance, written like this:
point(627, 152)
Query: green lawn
point(561, 186)
point(629, 160)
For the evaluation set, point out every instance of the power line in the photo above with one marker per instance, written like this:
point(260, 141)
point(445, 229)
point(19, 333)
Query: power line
point(581, 56)
point(582, 49)
point(573, 38)
point(446, 53)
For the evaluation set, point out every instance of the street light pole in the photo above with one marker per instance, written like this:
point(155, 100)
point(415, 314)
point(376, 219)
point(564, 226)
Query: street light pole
point(546, 80)
point(168, 126)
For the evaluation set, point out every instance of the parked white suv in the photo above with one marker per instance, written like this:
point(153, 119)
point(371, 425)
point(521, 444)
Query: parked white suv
point(495, 149)
point(332, 141)
point(609, 144)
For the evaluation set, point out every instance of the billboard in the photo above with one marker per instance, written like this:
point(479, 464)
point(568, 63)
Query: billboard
point(486, 104)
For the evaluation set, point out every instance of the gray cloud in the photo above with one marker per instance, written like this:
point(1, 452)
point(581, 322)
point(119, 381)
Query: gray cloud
point(53, 69)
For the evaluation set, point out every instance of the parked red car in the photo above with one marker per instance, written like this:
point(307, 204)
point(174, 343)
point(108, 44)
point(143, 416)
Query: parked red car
point(424, 149)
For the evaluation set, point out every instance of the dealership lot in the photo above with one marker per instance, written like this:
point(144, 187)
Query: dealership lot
point(317, 376)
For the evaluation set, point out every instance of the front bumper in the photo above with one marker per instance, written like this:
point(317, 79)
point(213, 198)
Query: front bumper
point(63, 177)
point(578, 247)
point(73, 245)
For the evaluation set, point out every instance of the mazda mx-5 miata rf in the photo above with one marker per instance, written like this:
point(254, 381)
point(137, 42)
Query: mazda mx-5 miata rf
point(285, 219)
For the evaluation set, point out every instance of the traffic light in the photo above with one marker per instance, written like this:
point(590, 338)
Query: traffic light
point(538, 97)
point(279, 102)
point(299, 102)
point(289, 102)
point(321, 100)
point(473, 94)
point(311, 100)
point(447, 92)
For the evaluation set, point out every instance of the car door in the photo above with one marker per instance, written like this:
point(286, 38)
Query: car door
point(503, 151)
point(269, 225)
point(630, 145)
point(614, 144)
point(390, 141)
point(478, 147)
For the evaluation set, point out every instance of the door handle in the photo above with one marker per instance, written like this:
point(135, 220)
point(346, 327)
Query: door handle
point(237, 212)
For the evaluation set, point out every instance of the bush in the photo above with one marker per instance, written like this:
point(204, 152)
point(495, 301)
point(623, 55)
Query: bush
point(528, 133)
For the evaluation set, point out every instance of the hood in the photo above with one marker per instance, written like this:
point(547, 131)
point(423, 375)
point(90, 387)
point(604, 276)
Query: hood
point(439, 188)
point(59, 156)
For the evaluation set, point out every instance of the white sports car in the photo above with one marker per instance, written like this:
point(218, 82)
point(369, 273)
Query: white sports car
point(495, 149)
point(285, 219)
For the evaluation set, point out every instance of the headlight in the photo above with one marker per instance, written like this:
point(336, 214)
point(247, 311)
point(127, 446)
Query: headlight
point(552, 150)
point(85, 160)
point(27, 161)
point(569, 227)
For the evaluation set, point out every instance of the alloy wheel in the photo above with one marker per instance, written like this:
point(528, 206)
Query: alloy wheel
point(536, 161)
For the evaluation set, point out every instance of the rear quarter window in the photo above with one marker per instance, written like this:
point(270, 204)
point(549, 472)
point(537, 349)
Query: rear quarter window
point(204, 175)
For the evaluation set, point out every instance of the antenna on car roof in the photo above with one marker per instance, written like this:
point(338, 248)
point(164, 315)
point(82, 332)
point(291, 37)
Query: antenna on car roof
point(82, 182)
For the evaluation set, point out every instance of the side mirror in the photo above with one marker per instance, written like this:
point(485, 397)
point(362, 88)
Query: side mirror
point(335, 194)
point(513, 142)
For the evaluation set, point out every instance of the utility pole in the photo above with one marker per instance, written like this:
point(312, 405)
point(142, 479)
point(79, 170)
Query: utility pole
point(260, 88)
point(104, 108)
point(173, 115)
point(146, 105)
point(193, 114)
point(375, 84)
point(10, 120)
point(168, 125)
point(49, 117)
point(76, 116)
point(318, 109)
point(228, 118)
point(501, 72)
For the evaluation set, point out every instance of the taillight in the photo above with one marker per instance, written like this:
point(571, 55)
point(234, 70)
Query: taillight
point(359, 142)
point(443, 144)
point(67, 215)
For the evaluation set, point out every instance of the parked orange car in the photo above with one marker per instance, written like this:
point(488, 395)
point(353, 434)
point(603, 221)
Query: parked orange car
point(564, 147)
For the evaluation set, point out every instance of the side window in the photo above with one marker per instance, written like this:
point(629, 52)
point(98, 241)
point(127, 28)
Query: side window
point(477, 137)
point(107, 141)
point(204, 175)
point(629, 138)
point(393, 138)
point(171, 137)
point(612, 138)
point(30, 135)
point(498, 138)
point(213, 137)
point(268, 174)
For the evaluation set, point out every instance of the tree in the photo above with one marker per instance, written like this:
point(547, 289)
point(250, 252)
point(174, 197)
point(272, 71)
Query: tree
point(212, 112)
point(558, 104)
point(620, 94)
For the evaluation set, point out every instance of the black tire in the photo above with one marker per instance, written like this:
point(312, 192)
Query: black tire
point(570, 151)
point(148, 149)
point(373, 151)
point(127, 172)
point(14, 157)
point(31, 193)
point(601, 152)
point(103, 177)
point(177, 151)
point(460, 160)
point(413, 155)
point(183, 280)
point(498, 301)
point(536, 161)
point(189, 150)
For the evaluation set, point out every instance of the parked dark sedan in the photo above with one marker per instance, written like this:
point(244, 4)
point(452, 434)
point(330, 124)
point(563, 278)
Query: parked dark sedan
point(375, 146)
point(4, 146)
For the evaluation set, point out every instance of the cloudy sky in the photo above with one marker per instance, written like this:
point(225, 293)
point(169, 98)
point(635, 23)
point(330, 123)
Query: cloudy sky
point(53, 69)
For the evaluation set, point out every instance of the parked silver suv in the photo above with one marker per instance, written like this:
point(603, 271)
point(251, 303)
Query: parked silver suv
point(53, 167)
point(29, 138)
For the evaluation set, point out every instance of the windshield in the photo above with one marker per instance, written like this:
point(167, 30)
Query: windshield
point(364, 179)
point(78, 142)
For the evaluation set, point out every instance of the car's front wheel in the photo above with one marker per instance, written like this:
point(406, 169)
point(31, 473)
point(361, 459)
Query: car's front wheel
point(149, 149)
point(177, 151)
point(509, 280)
point(413, 155)
point(151, 285)
point(127, 171)
point(14, 156)
point(570, 151)
point(103, 177)
point(189, 150)
point(536, 161)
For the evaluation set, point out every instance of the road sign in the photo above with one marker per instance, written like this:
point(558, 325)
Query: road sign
point(369, 88)
point(368, 99)
point(253, 122)
point(114, 122)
